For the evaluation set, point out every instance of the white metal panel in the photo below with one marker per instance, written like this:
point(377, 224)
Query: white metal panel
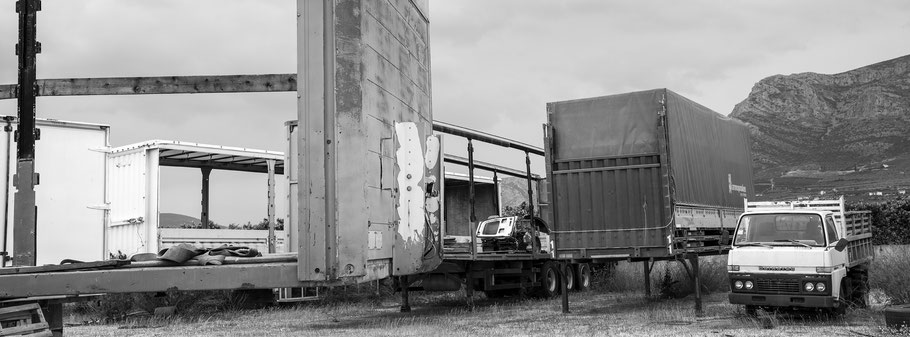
point(127, 185)
point(70, 161)
point(153, 175)
point(290, 171)
point(213, 238)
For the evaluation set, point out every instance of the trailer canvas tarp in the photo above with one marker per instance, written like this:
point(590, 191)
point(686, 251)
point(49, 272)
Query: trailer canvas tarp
point(628, 169)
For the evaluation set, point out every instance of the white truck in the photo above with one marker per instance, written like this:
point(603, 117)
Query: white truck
point(800, 254)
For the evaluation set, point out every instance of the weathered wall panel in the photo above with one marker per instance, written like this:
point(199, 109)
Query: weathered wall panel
point(365, 108)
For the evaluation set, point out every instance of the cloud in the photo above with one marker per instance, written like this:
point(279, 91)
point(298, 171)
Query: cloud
point(495, 63)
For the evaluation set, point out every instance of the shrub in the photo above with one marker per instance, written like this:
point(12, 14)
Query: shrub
point(890, 220)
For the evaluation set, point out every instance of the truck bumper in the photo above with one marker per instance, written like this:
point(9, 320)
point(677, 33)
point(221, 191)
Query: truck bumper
point(783, 300)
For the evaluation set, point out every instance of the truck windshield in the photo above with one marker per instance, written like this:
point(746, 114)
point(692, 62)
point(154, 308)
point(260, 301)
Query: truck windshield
point(780, 229)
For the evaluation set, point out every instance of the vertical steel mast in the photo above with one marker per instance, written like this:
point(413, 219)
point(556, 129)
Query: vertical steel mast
point(24, 228)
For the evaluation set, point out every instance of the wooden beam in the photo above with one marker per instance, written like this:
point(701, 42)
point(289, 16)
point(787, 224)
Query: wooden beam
point(159, 85)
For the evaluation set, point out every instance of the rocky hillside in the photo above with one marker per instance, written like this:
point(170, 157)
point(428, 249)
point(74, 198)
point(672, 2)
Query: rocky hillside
point(849, 130)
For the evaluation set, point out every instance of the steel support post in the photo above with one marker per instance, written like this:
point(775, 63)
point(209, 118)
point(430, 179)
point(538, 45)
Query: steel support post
point(564, 282)
point(530, 188)
point(693, 260)
point(647, 275)
point(24, 208)
point(405, 296)
point(471, 178)
point(469, 286)
point(271, 204)
point(473, 217)
point(8, 128)
point(204, 217)
point(496, 190)
point(53, 314)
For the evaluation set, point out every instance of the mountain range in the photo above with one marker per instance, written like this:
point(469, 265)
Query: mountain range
point(846, 133)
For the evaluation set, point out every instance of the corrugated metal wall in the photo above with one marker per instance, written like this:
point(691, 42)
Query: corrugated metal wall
point(609, 203)
point(128, 194)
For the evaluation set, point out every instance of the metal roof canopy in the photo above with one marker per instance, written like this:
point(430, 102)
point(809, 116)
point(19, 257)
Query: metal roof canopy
point(194, 155)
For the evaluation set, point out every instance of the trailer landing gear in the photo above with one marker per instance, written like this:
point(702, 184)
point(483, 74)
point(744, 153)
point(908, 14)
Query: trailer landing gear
point(405, 297)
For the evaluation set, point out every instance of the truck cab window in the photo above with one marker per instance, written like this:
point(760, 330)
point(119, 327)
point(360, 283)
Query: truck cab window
point(829, 228)
point(780, 229)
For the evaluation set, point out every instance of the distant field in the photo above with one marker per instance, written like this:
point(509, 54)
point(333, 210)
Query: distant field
point(592, 314)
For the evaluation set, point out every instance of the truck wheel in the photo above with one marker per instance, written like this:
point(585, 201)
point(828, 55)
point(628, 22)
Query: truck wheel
point(549, 281)
point(582, 277)
point(860, 290)
point(897, 316)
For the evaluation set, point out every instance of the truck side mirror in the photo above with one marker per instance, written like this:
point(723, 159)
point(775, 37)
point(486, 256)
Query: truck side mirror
point(841, 245)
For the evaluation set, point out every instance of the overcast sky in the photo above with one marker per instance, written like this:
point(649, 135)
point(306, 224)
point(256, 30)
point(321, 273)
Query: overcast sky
point(495, 64)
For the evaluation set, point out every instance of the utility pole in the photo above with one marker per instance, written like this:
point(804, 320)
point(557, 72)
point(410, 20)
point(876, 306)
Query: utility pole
point(25, 211)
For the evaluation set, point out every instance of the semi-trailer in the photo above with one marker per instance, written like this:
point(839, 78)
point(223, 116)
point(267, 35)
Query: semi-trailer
point(643, 176)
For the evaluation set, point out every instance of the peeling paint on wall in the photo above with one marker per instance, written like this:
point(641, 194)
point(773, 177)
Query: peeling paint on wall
point(410, 161)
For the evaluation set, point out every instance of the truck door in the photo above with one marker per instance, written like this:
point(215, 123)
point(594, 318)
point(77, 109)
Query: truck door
point(837, 258)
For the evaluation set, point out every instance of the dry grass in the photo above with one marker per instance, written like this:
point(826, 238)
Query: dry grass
point(593, 314)
point(668, 279)
point(890, 273)
point(615, 307)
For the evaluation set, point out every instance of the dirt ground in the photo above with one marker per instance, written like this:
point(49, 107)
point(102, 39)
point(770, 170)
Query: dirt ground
point(592, 314)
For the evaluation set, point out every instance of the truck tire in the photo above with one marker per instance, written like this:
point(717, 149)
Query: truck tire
point(898, 316)
point(571, 278)
point(860, 289)
point(549, 281)
point(582, 277)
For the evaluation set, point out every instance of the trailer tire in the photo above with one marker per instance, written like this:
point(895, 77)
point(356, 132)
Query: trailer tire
point(582, 277)
point(549, 281)
point(898, 316)
point(571, 277)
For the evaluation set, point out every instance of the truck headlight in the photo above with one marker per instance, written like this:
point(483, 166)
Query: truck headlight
point(738, 284)
point(748, 284)
point(820, 286)
point(809, 286)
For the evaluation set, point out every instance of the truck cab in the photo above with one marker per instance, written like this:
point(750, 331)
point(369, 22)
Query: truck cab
point(796, 255)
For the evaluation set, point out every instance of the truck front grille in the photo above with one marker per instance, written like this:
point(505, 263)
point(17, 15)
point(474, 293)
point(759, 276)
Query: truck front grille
point(780, 286)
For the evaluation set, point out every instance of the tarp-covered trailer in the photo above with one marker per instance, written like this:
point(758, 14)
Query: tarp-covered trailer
point(643, 175)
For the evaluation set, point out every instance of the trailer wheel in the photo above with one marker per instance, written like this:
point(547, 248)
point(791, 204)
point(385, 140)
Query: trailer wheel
point(898, 316)
point(583, 277)
point(570, 278)
point(549, 281)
